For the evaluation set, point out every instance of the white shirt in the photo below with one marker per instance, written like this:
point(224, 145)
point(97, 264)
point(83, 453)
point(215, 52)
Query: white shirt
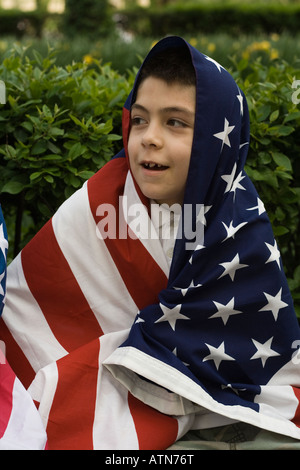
point(166, 220)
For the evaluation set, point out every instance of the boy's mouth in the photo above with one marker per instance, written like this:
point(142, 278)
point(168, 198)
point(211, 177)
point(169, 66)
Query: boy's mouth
point(154, 166)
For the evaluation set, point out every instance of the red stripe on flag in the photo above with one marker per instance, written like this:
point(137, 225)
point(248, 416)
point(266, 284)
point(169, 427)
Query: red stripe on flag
point(142, 276)
point(70, 423)
point(125, 127)
point(155, 430)
point(7, 380)
point(15, 356)
point(296, 418)
point(57, 292)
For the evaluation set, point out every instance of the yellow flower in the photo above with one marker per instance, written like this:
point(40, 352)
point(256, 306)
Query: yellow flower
point(274, 54)
point(211, 47)
point(265, 45)
point(275, 37)
point(193, 42)
point(88, 59)
point(3, 45)
point(259, 46)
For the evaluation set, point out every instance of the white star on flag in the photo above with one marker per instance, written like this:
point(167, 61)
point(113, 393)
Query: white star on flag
point(219, 66)
point(232, 266)
point(185, 289)
point(264, 351)
point(171, 315)
point(1, 279)
point(3, 241)
point(217, 355)
point(175, 354)
point(231, 230)
point(275, 253)
point(241, 100)
point(224, 311)
point(260, 207)
point(236, 184)
point(201, 215)
point(235, 390)
point(225, 133)
point(274, 304)
point(198, 247)
point(229, 178)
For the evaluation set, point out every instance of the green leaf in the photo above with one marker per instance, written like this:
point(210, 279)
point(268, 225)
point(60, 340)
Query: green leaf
point(75, 151)
point(293, 116)
point(282, 160)
point(86, 174)
point(280, 230)
point(39, 147)
point(10, 151)
point(263, 112)
point(35, 175)
point(47, 111)
point(27, 125)
point(12, 187)
point(49, 178)
point(55, 131)
point(113, 137)
point(274, 115)
point(281, 130)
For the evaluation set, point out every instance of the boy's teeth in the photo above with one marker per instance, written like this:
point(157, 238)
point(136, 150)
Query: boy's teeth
point(152, 165)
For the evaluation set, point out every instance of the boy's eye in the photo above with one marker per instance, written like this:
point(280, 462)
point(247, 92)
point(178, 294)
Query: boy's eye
point(137, 121)
point(176, 123)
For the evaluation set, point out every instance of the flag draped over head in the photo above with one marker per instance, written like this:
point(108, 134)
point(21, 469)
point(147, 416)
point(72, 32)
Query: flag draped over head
point(20, 424)
point(3, 251)
point(121, 351)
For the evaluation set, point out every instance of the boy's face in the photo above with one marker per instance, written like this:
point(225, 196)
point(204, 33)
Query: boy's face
point(160, 139)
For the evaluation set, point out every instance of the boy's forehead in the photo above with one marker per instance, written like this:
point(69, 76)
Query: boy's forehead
point(171, 95)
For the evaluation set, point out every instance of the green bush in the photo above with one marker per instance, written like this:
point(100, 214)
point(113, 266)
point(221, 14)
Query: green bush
point(91, 18)
point(58, 126)
point(61, 124)
point(20, 23)
point(207, 18)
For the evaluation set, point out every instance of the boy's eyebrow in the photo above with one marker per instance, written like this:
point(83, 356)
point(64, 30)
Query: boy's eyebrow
point(169, 109)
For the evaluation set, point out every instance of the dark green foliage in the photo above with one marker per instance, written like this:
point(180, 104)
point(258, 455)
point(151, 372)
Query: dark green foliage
point(91, 18)
point(58, 126)
point(208, 18)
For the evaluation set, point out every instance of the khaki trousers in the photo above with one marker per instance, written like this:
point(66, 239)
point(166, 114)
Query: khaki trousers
point(237, 436)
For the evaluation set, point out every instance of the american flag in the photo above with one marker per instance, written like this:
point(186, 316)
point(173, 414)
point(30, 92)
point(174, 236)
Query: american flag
point(118, 351)
point(20, 424)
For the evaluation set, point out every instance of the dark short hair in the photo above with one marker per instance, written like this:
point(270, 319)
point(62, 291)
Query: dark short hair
point(173, 65)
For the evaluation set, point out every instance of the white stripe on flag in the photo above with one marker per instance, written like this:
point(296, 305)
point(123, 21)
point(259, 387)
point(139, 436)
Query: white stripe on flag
point(30, 331)
point(113, 426)
point(24, 430)
point(43, 388)
point(91, 264)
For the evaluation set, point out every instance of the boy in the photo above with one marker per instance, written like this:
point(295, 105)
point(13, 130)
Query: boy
point(162, 129)
point(126, 350)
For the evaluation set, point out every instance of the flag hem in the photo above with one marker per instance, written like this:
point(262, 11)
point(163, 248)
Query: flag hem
point(178, 394)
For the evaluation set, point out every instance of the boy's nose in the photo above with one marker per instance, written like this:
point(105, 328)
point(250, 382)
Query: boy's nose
point(152, 136)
